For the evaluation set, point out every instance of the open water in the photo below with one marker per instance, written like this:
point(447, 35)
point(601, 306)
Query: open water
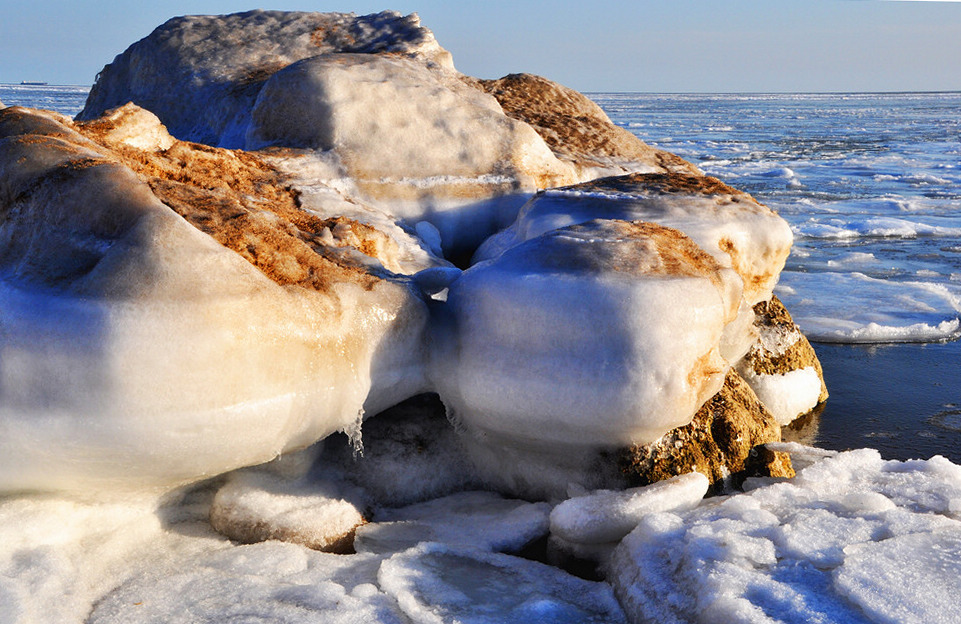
point(871, 185)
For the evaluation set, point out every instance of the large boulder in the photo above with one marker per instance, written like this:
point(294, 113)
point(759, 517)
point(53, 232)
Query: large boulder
point(723, 440)
point(597, 335)
point(174, 314)
point(201, 73)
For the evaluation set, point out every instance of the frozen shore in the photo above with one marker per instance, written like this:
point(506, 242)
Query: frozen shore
point(275, 396)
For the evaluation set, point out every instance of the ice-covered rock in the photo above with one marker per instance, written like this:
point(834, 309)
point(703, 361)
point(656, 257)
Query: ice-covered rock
point(728, 224)
point(415, 139)
point(201, 74)
point(722, 440)
point(254, 506)
point(577, 130)
point(478, 519)
point(597, 335)
point(781, 367)
point(852, 538)
point(171, 315)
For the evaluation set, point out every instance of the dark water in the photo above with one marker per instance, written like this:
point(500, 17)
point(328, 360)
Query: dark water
point(902, 399)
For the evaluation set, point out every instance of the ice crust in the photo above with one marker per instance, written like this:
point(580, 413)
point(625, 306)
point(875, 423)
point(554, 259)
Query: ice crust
point(607, 516)
point(852, 538)
point(786, 395)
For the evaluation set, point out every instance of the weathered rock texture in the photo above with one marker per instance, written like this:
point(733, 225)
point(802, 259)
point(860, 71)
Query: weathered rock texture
point(721, 442)
point(782, 366)
point(577, 130)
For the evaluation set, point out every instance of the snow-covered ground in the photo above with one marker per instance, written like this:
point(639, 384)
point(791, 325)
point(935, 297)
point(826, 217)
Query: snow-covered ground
point(851, 539)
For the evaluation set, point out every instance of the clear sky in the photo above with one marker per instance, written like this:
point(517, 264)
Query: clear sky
point(602, 45)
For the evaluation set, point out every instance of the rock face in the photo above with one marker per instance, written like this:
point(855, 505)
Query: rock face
point(577, 130)
point(719, 442)
point(781, 367)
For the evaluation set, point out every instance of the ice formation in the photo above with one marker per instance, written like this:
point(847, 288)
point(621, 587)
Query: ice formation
point(201, 74)
point(149, 354)
point(378, 116)
point(852, 538)
point(607, 516)
point(172, 311)
point(728, 224)
point(523, 362)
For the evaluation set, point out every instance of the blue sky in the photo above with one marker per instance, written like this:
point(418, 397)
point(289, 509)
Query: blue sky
point(640, 45)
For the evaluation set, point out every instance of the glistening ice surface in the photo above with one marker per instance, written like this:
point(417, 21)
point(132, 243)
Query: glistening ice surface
point(870, 183)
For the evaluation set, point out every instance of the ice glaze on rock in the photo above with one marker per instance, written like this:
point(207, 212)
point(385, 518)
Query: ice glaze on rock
point(728, 224)
point(781, 367)
point(201, 73)
point(171, 315)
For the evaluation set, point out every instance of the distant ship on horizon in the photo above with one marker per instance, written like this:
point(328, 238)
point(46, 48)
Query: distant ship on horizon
point(34, 83)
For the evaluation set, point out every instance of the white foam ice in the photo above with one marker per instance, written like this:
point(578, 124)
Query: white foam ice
point(435, 583)
point(876, 227)
point(855, 308)
point(785, 395)
point(607, 516)
point(852, 538)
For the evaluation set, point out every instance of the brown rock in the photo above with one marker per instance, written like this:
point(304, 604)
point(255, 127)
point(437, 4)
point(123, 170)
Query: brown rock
point(722, 441)
point(787, 348)
point(576, 128)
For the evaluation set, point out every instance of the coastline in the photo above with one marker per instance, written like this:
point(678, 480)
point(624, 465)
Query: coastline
point(901, 399)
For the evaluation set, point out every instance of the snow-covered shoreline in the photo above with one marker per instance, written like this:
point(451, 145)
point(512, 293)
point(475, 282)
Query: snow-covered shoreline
point(174, 451)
